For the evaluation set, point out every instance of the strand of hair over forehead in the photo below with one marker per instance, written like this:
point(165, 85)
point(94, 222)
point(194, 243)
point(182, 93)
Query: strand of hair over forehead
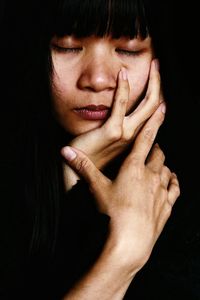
point(101, 17)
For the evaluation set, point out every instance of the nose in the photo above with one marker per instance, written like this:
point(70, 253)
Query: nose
point(97, 76)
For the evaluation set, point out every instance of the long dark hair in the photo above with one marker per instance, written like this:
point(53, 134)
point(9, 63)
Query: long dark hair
point(38, 136)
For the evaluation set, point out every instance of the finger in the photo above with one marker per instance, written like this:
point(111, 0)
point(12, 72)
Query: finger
point(143, 102)
point(156, 159)
point(149, 104)
point(165, 176)
point(145, 138)
point(120, 100)
point(174, 189)
point(161, 95)
point(82, 165)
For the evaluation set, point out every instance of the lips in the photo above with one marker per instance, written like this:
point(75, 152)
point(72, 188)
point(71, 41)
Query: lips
point(93, 112)
point(95, 107)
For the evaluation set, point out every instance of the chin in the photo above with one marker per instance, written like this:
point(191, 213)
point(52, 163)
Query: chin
point(78, 129)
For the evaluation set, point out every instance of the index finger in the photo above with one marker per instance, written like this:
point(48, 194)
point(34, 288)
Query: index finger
point(121, 98)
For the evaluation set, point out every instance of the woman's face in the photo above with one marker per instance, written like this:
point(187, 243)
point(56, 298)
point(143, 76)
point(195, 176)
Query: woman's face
point(85, 74)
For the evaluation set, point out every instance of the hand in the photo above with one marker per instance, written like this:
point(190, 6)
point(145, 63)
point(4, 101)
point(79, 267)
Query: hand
point(119, 130)
point(139, 201)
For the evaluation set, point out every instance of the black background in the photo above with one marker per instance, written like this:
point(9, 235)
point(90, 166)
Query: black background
point(180, 39)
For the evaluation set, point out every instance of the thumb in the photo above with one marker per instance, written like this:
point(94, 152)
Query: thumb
point(84, 167)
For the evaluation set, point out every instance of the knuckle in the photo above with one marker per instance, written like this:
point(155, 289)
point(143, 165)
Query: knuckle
point(160, 117)
point(82, 165)
point(114, 133)
point(163, 158)
point(149, 134)
point(166, 170)
point(134, 159)
point(127, 137)
point(122, 93)
point(154, 98)
point(177, 191)
point(122, 101)
point(159, 153)
point(137, 171)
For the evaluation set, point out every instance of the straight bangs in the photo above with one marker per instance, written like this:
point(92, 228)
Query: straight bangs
point(100, 18)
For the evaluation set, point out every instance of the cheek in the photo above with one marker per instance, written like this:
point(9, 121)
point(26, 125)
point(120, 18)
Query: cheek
point(62, 78)
point(60, 97)
point(138, 79)
point(58, 86)
point(60, 83)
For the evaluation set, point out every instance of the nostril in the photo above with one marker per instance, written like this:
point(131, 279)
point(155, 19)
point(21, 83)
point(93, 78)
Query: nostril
point(96, 81)
point(89, 88)
point(97, 86)
point(99, 89)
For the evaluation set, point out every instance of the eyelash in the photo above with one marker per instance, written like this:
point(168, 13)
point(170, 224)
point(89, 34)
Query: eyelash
point(76, 50)
point(128, 52)
point(66, 50)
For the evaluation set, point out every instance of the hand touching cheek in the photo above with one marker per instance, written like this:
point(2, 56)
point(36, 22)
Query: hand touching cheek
point(106, 142)
point(86, 74)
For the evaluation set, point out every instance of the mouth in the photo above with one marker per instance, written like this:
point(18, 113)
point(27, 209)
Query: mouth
point(93, 112)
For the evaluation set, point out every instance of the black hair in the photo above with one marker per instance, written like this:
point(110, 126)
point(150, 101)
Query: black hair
point(39, 136)
point(100, 18)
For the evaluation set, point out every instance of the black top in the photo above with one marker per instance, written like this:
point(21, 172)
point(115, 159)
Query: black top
point(172, 272)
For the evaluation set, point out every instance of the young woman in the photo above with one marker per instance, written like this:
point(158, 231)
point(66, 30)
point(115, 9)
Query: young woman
point(91, 192)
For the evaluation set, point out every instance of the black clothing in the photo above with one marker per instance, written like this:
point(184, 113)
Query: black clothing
point(172, 272)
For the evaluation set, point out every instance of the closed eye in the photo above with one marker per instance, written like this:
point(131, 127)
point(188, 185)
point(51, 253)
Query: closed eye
point(128, 52)
point(66, 50)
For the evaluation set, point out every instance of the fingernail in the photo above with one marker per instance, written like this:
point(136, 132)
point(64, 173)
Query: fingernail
point(124, 73)
point(162, 108)
point(69, 154)
point(157, 64)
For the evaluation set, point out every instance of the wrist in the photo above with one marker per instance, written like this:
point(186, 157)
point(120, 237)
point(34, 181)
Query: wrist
point(133, 250)
point(122, 256)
